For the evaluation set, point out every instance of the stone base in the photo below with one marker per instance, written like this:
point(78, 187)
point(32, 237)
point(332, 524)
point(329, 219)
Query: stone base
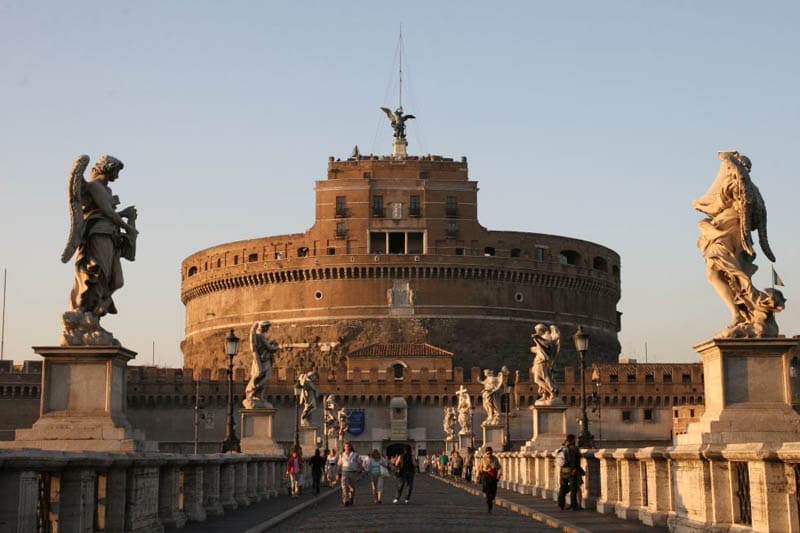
point(257, 431)
point(747, 393)
point(83, 402)
point(308, 440)
point(653, 518)
point(493, 435)
point(465, 441)
point(549, 427)
point(399, 148)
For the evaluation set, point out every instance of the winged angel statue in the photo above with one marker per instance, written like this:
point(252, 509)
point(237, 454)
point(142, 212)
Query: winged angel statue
point(545, 348)
point(734, 209)
point(263, 349)
point(100, 235)
point(398, 120)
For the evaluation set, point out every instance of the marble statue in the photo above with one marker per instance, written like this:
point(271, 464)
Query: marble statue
point(329, 413)
point(449, 423)
point(492, 389)
point(308, 397)
point(101, 236)
point(734, 209)
point(464, 408)
point(398, 120)
point(545, 348)
point(344, 425)
point(263, 349)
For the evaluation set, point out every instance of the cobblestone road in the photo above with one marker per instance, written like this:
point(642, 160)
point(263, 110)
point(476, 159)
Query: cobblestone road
point(434, 506)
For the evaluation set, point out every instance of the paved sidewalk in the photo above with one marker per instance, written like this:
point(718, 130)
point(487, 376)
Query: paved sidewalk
point(548, 512)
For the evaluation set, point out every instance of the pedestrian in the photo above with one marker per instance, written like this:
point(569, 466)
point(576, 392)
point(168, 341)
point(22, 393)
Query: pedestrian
point(489, 476)
point(469, 462)
point(405, 471)
point(457, 466)
point(317, 464)
point(330, 471)
point(294, 469)
point(443, 459)
point(377, 468)
point(568, 458)
point(349, 466)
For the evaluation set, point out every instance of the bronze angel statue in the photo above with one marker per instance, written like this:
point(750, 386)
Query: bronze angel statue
point(734, 209)
point(100, 235)
point(398, 120)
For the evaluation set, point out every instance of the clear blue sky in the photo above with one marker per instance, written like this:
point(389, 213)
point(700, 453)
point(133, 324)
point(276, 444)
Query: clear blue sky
point(597, 120)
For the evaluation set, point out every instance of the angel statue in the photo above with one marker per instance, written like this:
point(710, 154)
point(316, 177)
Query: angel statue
point(263, 349)
point(734, 209)
point(492, 388)
point(330, 414)
point(449, 423)
point(344, 424)
point(100, 235)
point(545, 348)
point(464, 408)
point(398, 120)
point(308, 397)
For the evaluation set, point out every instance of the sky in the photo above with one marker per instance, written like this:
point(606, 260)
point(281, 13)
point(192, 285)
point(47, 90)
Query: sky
point(595, 120)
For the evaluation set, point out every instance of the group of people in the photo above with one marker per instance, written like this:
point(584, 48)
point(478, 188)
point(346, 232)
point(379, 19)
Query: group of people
point(452, 465)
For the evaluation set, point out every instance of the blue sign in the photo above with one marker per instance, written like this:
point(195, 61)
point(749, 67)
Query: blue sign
point(356, 422)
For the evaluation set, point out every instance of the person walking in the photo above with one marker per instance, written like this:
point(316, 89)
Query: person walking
point(489, 476)
point(317, 464)
point(568, 457)
point(348, 467)
point(330, 470)
point(377, 468)
point(405, 471)
point(457, 466)
point(294, 469)
point(443, 460)
point(469, 463)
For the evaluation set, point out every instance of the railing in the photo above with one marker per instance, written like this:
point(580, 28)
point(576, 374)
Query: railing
point(47, 491)
point(688, 488)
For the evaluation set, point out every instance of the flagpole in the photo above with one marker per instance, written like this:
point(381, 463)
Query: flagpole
point(3, 327)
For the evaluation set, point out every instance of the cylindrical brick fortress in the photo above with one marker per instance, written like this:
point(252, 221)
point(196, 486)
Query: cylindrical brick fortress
point(397, 255)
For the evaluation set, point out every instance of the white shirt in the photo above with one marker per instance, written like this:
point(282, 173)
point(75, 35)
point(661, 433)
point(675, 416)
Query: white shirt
point(348, 462)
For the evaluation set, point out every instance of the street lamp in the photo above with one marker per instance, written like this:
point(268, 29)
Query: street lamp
point(297, 391)
point(231, 442)
point(582, 346)
point(507, 397)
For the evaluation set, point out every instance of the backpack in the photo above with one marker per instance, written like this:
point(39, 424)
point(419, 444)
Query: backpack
point(561, 456)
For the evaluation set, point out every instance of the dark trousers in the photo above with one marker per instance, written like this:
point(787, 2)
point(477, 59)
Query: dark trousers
point(315, 477)
point(569, 483)
point(405, 480)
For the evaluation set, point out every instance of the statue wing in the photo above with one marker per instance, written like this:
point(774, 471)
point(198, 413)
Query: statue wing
point(254, 339)
point(75, 187)
point(758, 220)
point(388, 113)
point(406, 117)
point(555, 335)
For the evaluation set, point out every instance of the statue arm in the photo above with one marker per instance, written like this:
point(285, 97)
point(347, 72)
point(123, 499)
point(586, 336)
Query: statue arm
point(103, 203)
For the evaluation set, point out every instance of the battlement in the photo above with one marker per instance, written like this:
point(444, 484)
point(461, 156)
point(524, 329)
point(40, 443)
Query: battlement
point(434, 167)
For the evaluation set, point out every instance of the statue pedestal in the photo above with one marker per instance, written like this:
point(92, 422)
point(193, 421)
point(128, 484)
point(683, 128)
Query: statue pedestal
point(450, 445)
point(83, 402)
point(465, 440)
point(549, 427)
point(747, 393)
point(493, 436)
point(399, 148)
point(308, 440)
point(257, 431)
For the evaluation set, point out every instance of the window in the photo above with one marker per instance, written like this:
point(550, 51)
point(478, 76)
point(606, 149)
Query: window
point(367, 175)
point(341, 230)
point(302, 251)
point(423, 175)
point(613, 378)
point(451, 207)
point(675, 413)
point(648, 415)
point(235, 259)
point(398, 371)
point(278, 256)
point(206, 266)
point(377, 242)
point(626, 416)
point(459, 251)
point(452, 229)
point(252, 258)
point(686, 378)
point(516, 252)
point(488, 251)
point(569, 257)
point(667, 378)
point(219, 263)
point(377, 206)
point(415, 243)
point(331, 250)
point(691, 413)
point(413, 206)
point(649, 378)
point(600, 263)
point(540, 253)
point(397, 243)
point(192, 271)
point(341, 206)
point(631, 378)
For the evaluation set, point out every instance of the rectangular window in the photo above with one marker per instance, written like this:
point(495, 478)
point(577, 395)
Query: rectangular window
point(341, 206)
point(331, 250)
point(649, 378)
point(613, 378)
point(459, 251)
point(540, 253)
point(648, 415)
point(341, 230)
point(675, 413)
point(235, 259)
point(667, 378)
point(631, 378)
point(377, 242)
point(377, 206)
point(686, 378)
point(691, 413)
point(451, 207)
point(397, 243)
point(452, 229)
point(413, 206)
point(415, 242)
point(626, 416)
point(252, 258)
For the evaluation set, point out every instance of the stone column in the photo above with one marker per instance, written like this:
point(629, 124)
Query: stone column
point(630, 475)
point(116, 494)
point(262, 482)
point(171, 495)
point(770, 498)
point(141, 498)
point(659, 487)
point(252, 480)
point(240, 482)
point(227, 485)
point(553, 474)
point(18, 505)
point(193, 492)
point(77, 503)
point(609, 479)
point(591, 481)
point(211, 486)
point(691, 489)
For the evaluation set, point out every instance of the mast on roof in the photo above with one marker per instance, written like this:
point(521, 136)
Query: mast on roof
point(397, 118)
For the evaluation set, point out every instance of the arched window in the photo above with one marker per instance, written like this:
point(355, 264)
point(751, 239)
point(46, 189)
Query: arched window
point(192, 271)
point(569, 257)
point(302, 251)
point(398, 371)
point(599, 263)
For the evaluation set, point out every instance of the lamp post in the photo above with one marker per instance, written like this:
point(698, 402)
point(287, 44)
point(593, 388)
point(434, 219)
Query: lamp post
point(582, 346)
point(297, 391)
point(231, 442)
point(507, 398)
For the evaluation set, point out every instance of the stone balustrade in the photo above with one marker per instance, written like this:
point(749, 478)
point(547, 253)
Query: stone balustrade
point(746, 487)
point(85, 492)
